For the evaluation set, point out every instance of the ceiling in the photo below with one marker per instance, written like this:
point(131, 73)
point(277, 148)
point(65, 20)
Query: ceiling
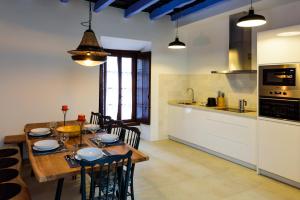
point(156, 8)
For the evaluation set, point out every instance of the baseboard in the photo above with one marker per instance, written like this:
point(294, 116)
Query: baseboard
point(220, 155)
point(279, 178)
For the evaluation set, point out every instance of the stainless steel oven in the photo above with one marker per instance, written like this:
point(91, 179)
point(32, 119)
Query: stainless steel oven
point(279, 91)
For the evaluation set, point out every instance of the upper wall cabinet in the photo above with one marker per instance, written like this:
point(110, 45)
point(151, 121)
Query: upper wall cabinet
point(279, 46)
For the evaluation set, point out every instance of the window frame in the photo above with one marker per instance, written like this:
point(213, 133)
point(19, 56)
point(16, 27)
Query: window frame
point(102, 99)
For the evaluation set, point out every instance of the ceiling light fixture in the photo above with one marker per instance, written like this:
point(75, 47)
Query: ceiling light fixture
point(177, 44)
point(252, 19)
point(288, 34)
point(89, 53)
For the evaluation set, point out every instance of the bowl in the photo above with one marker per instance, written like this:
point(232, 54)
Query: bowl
point(72, 131)
point(90, 153)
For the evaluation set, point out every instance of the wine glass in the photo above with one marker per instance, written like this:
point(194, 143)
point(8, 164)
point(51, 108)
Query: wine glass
point(64, 138)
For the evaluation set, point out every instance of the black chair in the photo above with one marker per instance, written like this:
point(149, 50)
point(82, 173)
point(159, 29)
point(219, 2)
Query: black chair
point(131, 136)
point(114, 180)
point(116, 127)
point(103, 121)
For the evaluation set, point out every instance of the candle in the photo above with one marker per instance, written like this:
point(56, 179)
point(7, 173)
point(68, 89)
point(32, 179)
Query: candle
point(64, 108)
point(81, 118)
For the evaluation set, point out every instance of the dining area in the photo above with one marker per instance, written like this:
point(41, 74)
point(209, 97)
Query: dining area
point(101, 153)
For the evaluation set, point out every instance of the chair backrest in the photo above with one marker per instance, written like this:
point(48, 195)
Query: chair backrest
point(103, 121)
point(95, 118)
point(131, 136)
point(116, 127)
point(113, 179)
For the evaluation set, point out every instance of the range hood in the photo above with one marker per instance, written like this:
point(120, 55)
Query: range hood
point(240, 46)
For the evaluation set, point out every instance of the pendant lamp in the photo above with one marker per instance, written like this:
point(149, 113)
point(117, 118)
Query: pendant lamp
point(252, 19)
point(177, 44)
point(89, 53)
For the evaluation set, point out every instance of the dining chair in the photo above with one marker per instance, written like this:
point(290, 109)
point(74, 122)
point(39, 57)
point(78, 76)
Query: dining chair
point(113, 184)
point(131, 136)
point(116, 127)
point(100, 119)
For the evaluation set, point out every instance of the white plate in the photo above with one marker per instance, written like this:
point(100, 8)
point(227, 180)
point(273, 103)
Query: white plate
point(90, 153)
point(46, 148)
point(39, 134)
point(108, 138)
point(92, 127)
point(46, 144)
point(40, 130)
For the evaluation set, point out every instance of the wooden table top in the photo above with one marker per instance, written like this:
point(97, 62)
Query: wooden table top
point(54, 166)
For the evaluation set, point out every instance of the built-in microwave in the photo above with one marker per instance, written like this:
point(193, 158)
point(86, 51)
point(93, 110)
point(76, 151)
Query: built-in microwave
point(279, 81)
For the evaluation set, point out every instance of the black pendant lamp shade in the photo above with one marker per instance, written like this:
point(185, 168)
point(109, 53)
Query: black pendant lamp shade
point(252, 19)
point(89, 53)
point(177, 44)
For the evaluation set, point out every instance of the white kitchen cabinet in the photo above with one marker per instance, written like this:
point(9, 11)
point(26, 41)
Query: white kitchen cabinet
point(279, 148)
point(232, 136)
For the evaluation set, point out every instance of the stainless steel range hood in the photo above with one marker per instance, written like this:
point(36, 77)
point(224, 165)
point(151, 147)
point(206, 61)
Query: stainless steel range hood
point(240, 46)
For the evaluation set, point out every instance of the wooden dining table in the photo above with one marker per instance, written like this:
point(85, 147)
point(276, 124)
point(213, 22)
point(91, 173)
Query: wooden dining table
point(54, 167)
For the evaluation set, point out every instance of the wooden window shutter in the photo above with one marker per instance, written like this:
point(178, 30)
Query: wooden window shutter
point(143, 87)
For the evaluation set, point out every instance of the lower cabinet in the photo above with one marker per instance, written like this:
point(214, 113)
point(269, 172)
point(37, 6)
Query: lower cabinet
point(279, 149)
point(229, 135)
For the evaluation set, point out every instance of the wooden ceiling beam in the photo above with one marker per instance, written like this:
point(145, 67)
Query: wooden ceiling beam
point(168, 8)
point(195, 8)
point(102, 4)
point(138, 7)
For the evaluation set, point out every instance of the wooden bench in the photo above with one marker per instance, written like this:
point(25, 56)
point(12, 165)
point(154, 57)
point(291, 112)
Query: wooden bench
point(16, 140)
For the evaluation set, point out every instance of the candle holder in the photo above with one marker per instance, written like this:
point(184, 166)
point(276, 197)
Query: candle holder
point(81, 120)
point(65, 109)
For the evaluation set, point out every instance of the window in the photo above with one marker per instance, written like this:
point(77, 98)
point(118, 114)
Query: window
point(125, 86)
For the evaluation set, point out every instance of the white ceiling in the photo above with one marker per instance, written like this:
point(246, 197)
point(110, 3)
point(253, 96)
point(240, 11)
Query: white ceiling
point(125, 44)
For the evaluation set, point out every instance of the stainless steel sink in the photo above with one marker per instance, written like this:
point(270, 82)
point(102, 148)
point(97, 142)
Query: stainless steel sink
point(234, 110)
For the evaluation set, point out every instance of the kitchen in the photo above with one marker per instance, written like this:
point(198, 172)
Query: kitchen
point(34, 58)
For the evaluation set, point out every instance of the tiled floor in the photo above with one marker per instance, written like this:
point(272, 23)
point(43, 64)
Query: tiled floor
point(178, 172)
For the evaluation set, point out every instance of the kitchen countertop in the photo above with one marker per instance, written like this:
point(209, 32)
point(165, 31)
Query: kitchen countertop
point(252, 114)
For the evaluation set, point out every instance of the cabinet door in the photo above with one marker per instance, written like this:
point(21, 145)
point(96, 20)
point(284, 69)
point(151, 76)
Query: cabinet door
point(279, 149)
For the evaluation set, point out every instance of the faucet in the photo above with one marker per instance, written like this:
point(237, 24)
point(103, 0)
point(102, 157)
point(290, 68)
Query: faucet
point(193, 94)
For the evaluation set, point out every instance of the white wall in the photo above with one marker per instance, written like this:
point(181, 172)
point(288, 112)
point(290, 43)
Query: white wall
point(208, 39)
point(38, 76)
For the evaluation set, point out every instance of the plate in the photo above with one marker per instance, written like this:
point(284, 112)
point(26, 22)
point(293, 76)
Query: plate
point(39, 134)
point(40, 130)
point(46, 144)
point(89, 153)
point(92, 127)
point(45, 149)
point(108, 138)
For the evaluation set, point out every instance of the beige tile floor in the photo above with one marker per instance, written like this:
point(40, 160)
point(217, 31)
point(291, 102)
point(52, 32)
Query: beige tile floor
point(178, 172)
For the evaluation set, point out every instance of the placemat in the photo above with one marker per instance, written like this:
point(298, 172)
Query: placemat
point(101, 145)
point(60, 149)
point(73, 163)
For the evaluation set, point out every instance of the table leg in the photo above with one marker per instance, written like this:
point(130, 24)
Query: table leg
point(59, 187)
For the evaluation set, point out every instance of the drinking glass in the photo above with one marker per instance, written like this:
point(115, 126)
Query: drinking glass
point(64, 138)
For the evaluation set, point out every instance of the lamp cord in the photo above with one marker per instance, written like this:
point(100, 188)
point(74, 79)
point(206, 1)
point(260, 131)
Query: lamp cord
point(176, 28)
point(88, 23)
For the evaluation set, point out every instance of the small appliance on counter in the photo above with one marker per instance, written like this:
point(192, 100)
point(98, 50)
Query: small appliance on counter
point(279, 91)
point(211, 102)
point(221, 100)
point(242, 104)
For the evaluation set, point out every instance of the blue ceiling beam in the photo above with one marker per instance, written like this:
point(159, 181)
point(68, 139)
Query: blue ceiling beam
point(101, 4)
point(64, 1)
point(168, 7)
point(138, 7)
point(194, 9)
